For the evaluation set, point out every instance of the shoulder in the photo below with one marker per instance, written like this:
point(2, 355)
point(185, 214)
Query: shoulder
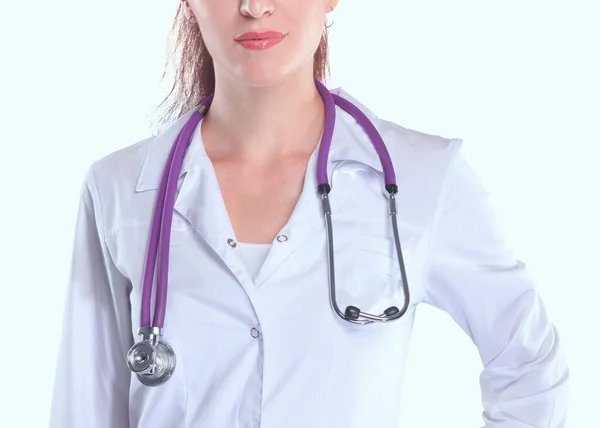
point(119, 182)
point(122, 164)
point(429, 153)
point(134, 168)
point(415, 154)
point(110, 180)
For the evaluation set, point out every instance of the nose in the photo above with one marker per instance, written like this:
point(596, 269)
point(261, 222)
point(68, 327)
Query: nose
point(257, 8)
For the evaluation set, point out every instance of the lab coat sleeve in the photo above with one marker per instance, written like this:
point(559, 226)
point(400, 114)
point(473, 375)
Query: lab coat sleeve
point(474, 277)
point(91, 386)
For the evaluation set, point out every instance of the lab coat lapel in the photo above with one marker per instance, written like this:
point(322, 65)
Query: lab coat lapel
point(306, 219)
point(157, 153)
point(201, 204)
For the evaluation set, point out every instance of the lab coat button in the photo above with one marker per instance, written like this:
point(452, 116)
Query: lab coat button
point(232, 243)
point(282, 238)
point(254, 333)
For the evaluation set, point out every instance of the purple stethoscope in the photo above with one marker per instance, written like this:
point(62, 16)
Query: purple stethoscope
point(153, 360)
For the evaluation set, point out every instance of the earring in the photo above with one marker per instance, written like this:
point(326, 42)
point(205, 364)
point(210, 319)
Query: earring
point(327, 24)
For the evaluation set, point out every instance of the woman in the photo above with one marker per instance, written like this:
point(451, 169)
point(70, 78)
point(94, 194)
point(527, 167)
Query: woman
point(248, 315)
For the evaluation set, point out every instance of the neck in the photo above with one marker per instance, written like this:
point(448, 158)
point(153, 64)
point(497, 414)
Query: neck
point(262, 124)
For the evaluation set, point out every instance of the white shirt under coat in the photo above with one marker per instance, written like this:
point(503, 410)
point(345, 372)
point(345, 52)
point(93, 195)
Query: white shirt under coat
point(269, 351)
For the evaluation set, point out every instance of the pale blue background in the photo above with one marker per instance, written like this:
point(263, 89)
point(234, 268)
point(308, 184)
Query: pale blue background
point(517, 80)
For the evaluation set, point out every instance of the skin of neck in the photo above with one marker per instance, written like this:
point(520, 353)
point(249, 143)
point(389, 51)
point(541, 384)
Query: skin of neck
point(261, 124)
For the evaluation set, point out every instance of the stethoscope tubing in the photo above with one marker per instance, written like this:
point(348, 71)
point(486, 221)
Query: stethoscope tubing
point(161, 226)
point(330, 101)
point(159, 242)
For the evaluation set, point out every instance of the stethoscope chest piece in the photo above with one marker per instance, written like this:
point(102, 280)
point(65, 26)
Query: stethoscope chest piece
point(152, 360)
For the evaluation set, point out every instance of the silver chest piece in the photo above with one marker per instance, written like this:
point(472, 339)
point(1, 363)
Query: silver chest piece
point(152, 360)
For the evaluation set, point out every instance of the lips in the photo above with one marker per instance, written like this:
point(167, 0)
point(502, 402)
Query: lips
point(253, 35)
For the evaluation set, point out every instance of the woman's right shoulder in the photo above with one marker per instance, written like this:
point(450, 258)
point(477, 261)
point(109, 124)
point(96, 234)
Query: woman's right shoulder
point(122, 165)
point(127, 169)
point(111, 182)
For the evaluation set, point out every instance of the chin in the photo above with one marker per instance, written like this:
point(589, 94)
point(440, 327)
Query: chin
point(263, 76)
point(266, 68)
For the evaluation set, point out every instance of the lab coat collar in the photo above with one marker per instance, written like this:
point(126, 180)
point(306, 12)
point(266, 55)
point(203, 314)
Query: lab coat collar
point(350, 143)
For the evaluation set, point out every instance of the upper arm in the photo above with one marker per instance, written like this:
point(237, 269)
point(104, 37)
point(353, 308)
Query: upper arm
point(92, 379)
point(474, 276)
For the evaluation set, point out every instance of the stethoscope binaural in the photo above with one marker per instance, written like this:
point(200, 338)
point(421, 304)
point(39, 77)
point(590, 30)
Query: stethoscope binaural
point(152, 359)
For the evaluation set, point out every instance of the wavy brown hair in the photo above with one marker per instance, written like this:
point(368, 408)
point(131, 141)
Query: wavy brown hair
point(194, 76)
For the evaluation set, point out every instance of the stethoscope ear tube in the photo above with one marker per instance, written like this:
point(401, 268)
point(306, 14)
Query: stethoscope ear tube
point(353, 314)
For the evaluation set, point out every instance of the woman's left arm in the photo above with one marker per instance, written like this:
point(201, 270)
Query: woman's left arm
point(474, 277)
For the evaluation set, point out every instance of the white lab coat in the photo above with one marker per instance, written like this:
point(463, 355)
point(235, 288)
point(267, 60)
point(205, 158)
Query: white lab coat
point(307, 367)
